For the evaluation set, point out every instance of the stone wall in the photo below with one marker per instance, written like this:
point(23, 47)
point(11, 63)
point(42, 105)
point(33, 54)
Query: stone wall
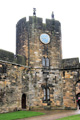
point(37, 85)
point(70, 76)
point(16, 80)
point(69, 89)
point(22, 38)
point(12, 85)
point(10, 57)
point(70, 63)
point(6, 55)
point(78, 88)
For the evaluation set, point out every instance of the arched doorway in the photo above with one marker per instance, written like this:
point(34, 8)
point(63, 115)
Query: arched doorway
point(24, 101)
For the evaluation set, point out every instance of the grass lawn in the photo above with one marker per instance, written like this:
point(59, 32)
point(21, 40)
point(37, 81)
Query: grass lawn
point(74, 117)
point(18, 115)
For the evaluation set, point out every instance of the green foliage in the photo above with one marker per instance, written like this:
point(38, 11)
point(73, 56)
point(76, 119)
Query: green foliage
point(74, 117)
point(6, 56)
point(19, 115)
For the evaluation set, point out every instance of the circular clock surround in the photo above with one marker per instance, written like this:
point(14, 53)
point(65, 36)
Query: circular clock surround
point(45, 38)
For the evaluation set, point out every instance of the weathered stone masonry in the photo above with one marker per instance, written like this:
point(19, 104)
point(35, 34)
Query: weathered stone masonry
point(12, 86)
point(70, 77)
point(25, 82)
point(29, 45)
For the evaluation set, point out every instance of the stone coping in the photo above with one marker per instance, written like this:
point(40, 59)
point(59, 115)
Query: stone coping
point(14, 64)
point(69, 68)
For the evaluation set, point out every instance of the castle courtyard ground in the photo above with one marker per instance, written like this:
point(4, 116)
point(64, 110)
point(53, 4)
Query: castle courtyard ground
point(54, 114)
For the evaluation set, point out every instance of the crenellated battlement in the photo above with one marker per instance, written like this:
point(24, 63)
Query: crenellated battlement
point(28, 33)
point(51, 24)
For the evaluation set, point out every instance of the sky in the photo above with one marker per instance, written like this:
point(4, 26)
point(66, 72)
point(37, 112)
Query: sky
point(66, 11)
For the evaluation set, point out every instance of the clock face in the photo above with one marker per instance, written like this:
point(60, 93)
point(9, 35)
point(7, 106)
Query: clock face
point(45, 38)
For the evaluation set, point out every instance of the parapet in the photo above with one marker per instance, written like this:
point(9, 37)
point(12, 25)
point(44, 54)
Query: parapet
point(51, 24)
point(70, 63)
point(6, 55)
point(20, 59)
point(10, 57)
point(34, 22)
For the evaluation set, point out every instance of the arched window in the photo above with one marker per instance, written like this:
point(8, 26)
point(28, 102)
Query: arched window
point(45, 62)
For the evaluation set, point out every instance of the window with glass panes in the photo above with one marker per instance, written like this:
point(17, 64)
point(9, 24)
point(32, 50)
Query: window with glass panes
point(45, 62)
point(46, 94)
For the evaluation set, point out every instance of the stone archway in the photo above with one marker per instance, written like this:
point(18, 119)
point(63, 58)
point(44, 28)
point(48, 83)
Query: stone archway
point(24, 101)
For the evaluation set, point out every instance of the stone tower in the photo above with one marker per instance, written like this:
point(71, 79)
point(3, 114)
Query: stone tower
point(41, 45)
point(28, 41)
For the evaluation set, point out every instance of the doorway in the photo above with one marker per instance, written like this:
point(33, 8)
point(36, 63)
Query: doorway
point(78, 93)
point(24, 101)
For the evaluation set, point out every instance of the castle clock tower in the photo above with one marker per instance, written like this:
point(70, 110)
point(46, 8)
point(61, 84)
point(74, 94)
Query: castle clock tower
point(37, 41)
point(41, 45)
